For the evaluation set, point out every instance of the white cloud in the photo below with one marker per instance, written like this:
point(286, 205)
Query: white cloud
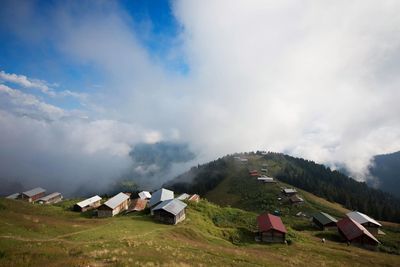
point(22, 80)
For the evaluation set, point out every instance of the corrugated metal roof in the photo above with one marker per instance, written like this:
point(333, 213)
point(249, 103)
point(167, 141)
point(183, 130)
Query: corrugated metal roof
point(13, 196)
point(161, 195)
point(289, 190)
point(324, 218)
point(184, 196)
point(48, 197)
point(361, 218)
point(34, 191)
point(116, 200)
point(352, 229)
point(173, 206)
point(144, 194)
point(194, 197)
point(296, 198)
point(88, 201)
point(268, 221)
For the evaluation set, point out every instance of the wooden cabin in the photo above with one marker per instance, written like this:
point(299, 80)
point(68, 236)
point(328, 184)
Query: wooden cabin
point(88, 204)
point(144, 195)
point(160, 196)
point(324, 221)
point(356, 234)
point(33, 195)
point(183, 196)
point(289, 192)
point(296, 199)
point(51, 199)
point(372, 225)
point(271, 228)
point(137, 205)
point(114, 206)
point(194, 198)
point(14, 196)
point(170, 211)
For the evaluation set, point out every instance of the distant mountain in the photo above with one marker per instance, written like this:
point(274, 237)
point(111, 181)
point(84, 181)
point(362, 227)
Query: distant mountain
point(387, 169)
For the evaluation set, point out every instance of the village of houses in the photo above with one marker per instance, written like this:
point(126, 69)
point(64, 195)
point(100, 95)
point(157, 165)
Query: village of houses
point(355, 229)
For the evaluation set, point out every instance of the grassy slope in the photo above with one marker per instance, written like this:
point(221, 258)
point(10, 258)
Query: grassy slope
point(32, 235)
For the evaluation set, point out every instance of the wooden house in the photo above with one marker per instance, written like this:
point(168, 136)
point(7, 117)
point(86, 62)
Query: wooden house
point(114, 206)
point(194, 198)
point(355, 233)
point(271, 228)
point(372, 225)
point(266, 179)
point(289, 191)
point(88, 204)
point(144, 195)
point(51, 199)
point(13, 196)
point(137, 205)
point(183, 196)
point(33, 195)
point(170, 211)
point(160, 196)
point(296, 199)
point(323, 220)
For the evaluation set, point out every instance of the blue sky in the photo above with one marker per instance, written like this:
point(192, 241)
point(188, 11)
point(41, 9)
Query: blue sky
point(82, 82)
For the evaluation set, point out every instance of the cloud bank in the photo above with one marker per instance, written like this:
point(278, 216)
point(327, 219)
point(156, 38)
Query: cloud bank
point(312, 79)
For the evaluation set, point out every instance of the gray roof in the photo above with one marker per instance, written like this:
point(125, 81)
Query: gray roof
point(361, 218)
point(184, 196)
point(48, 197)
point(13, 196)
point(289, 190)
point(324, 218)
point(88, 201)
point(34, 191)
point(116, 200)
point(144, 194)
point(161, 195)
point(173, 206)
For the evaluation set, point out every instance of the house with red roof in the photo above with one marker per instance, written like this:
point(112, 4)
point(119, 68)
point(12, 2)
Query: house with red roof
point(271, 228)
point(355, 233)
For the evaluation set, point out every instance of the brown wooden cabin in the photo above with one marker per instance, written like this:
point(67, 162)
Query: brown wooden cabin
point(170, 211)
point(271, 228)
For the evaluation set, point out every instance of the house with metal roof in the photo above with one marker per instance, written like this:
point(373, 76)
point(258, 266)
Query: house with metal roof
point(50, 199)
point(160, 196)
point(366, 221)
point(88, 204)
point(194, 198)
point(355, 233)
point(13, 196)
point(33, 194)
point(183, 196)
point(114, 205)
point(289, 191)
point(271, 228)
point(323, 220)
point(144, 195)
point(266, 179)
point(170, 211)
point(137, 204)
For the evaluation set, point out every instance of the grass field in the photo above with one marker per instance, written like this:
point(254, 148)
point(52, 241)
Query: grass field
point(33, 235)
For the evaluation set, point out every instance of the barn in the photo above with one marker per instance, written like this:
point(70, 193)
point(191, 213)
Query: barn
point(50, 199)
point(323, 220)
point(33, 195)
point(114, 206)
point(170, 211)
point(372, 225)
point(160, 196)
point(355, 233)
point(271, 228)
point(88, 204)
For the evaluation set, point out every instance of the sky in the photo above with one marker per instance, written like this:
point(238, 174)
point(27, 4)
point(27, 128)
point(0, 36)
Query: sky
point(84, 82)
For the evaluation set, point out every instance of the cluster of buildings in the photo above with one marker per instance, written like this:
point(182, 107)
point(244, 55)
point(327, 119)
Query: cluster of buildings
point(37, 195)
point(356, 228)
point(162, 204)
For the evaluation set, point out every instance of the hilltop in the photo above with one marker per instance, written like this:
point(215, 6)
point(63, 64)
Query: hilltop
point(226, 181)
point(386, 168)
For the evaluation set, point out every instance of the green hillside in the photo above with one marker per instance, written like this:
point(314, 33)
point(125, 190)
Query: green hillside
point(33, 235)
